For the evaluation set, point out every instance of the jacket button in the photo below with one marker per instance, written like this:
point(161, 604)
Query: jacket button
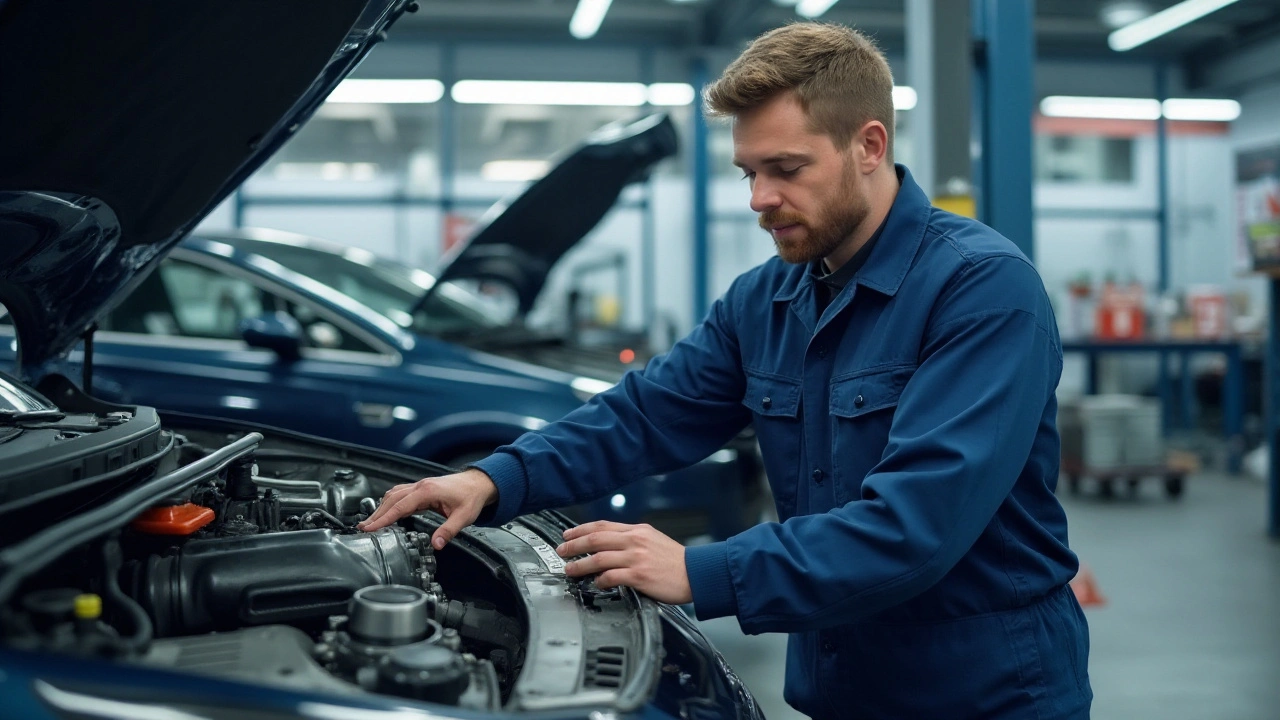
point(859, 401)
point(817, 475)
point(767, 403)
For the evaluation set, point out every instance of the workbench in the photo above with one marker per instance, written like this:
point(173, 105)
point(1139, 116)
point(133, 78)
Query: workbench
point(1232, 390)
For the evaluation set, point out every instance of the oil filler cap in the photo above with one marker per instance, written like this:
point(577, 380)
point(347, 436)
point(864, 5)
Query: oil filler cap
point(388, 615)
point(424, 671)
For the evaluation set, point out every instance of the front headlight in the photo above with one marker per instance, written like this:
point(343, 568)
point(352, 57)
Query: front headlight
point(585, 388)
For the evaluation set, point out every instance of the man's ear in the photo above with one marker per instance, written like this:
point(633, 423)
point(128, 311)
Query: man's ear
point(870, 146)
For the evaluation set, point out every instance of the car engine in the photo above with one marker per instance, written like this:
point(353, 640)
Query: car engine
point(198, 549)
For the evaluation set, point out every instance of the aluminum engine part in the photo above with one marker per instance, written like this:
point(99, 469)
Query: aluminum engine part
point(294, 578)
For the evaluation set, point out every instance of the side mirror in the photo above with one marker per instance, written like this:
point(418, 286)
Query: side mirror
point(277, 332)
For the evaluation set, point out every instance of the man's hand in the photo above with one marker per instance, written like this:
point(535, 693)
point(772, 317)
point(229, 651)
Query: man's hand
point(459, 497)
point(633, 555)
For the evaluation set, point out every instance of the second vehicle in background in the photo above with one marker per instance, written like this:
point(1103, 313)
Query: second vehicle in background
point(289, 331)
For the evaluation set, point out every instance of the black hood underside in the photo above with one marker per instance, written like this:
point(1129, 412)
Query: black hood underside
point(123, 124)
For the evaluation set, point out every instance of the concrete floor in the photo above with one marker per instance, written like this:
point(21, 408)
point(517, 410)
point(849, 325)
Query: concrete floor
point(1191, 627)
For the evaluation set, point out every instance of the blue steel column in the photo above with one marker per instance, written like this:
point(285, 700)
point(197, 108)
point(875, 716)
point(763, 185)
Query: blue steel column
point(1162, 249)
point(648, 241)
point(1271, 408)
point(448, 73)
point(701, 188)
point(1004, 73)
point(1162, 175)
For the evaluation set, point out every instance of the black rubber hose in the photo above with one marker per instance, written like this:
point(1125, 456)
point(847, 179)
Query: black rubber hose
point(140, 641)
point(20, 561)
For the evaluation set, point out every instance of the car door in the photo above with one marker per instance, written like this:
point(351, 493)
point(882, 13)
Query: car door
point(174, 343)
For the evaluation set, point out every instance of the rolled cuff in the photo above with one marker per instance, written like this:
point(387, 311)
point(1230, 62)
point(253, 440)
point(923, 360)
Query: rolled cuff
point(710, 581)
point(507, 472)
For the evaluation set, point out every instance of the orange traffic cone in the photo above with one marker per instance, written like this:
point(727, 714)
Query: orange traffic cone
point(1085, 586)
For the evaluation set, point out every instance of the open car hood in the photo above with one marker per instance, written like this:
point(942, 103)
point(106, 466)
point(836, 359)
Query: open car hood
point(517, 241)
point(124, 125)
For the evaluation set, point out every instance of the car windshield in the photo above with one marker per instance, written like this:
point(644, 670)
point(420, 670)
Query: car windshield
point(389, 288)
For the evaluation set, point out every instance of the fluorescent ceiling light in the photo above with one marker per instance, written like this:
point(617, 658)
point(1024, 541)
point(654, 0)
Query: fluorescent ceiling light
point(1116, 108)
point(1205, 110)
point(536, 92)
point(1163, 22)
point(587, 18)
point(387, 91)
point(1111, 108)
point(813, 8)
point(514, 170)
point(671, 94)
point(904, 97)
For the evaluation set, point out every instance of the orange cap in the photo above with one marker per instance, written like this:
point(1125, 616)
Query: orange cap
point(173, 520)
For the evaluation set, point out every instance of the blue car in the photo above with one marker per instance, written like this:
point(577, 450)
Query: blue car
point(293, 332)
point(305, 335)
point(179, 565)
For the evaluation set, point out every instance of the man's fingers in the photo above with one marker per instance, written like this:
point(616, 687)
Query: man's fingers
point(595, 542)
point(599, 562)
point(597, 526)
point(614, 578)
point(384, 505)
point(453, 524)
point(406, 505)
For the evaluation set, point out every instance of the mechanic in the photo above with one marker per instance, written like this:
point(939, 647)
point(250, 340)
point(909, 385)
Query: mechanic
point(899, 364)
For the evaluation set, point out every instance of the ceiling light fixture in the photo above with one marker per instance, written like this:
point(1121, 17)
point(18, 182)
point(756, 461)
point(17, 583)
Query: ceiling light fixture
point(1204, 110)
point(538, 92)
point(387, 91)
point(587, 18)
point(904, 97)
point(514, 170)
point(813, 8)
point(1164, 22)
point(1119, 108)
point(671, 94)
point(1109, 108)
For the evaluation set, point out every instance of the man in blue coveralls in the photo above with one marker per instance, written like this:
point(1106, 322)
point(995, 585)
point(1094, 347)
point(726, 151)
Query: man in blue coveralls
point(899, 364)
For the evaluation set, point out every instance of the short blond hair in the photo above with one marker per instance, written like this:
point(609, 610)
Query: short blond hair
point(841, 78)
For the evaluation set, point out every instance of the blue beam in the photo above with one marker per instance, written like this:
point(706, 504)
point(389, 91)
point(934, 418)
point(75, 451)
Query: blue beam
point(701, 179)
point(1162, 178)
point(1272, 407)
point(648, 223)
point(448, 137)
point(1003, 102)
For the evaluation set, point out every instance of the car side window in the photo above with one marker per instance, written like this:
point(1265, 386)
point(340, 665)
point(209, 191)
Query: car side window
point(184, 299)
point(208, 304)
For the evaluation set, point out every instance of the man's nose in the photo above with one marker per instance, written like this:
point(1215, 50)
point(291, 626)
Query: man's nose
point(764, 197)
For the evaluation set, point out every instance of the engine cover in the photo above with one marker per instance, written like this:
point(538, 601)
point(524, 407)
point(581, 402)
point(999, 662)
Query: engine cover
point(296, 578)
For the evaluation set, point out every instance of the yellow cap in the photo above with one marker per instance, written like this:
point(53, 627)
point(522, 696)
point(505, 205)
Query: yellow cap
point(88, 606)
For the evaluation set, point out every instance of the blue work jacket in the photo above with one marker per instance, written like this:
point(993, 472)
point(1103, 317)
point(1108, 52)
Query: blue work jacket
point(909, 436)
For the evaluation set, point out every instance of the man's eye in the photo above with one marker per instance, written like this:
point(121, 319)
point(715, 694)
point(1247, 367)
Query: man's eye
point(791, 171)
point(748, 175)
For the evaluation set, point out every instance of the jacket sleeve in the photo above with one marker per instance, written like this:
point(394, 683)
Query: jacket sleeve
point(959, 440)
point(681, 408)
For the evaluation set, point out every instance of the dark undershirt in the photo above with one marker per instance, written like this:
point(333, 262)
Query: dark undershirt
point(828, 285)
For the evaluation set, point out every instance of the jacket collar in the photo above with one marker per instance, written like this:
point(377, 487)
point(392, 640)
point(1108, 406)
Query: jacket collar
point(892, 256)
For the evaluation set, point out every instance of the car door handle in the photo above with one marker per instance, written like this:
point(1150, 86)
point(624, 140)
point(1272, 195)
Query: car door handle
point(376, 415)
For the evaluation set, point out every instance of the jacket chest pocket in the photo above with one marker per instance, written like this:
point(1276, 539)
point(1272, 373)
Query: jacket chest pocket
point(862, 409)
point(775, 406)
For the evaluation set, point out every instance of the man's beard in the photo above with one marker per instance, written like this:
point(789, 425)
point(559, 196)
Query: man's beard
point(823, 234)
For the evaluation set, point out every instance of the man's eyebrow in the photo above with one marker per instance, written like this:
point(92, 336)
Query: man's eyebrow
point(778, 158)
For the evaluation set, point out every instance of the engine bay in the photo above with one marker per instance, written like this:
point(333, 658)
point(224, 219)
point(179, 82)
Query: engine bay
point(199, 548)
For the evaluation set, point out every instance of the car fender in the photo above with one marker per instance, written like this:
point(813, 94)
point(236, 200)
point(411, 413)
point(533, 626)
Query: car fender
point(468, 429)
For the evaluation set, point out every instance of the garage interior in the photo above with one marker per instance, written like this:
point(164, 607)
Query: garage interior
point(1186, 624)
point(1130, 148)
